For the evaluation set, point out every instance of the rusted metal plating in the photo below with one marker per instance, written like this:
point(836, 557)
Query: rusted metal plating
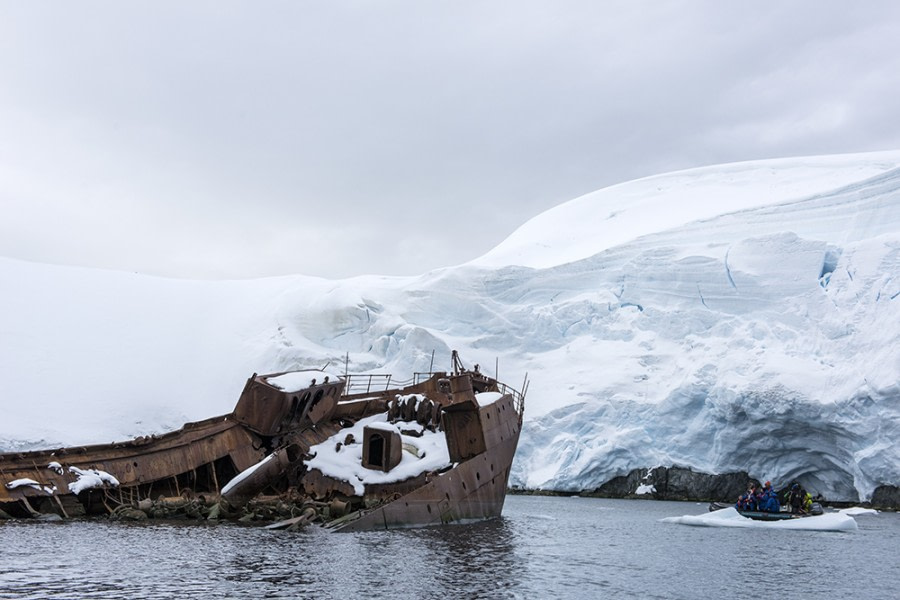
point(216, 468)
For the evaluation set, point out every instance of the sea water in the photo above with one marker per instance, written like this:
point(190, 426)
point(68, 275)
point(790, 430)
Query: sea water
point(542, 547)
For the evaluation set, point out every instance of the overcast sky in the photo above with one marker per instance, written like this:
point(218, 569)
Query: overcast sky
point(245, 139)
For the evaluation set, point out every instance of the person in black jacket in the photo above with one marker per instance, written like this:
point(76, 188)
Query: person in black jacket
point(796, 499)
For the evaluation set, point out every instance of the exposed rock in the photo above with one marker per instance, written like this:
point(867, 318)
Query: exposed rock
point(676, 483)
point(49, 517)
point(622, 486)
point(127, 513)
point(886, 497)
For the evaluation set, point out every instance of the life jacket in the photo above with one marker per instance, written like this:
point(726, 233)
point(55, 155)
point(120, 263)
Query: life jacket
point(769, 502)
point(746, 501)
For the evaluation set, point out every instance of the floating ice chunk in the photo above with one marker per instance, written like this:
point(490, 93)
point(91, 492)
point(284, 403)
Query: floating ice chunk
point(729, 517)
point(858, 510)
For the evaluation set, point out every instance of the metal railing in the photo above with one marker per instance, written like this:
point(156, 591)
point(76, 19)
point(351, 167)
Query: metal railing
point(378, 383)
point(366, 384)
point(518, 397)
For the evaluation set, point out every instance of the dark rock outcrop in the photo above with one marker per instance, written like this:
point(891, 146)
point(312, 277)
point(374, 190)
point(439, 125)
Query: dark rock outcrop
point(886, 497)
point(622, 486)
point(684, 484)
point(676, 483)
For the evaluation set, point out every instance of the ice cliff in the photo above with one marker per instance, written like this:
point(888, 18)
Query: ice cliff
point(740, 317)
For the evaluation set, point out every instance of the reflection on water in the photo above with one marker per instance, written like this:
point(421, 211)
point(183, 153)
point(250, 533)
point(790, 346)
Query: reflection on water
point(542, 547)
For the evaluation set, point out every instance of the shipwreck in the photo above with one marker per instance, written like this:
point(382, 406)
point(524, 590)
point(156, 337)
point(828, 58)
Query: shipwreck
point(349, 452)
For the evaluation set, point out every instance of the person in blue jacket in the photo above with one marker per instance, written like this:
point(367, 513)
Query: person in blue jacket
point(768, 501)
point(747, 500)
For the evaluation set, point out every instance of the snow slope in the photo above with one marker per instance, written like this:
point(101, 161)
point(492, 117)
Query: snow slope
point(616, 215)
point(736, 317)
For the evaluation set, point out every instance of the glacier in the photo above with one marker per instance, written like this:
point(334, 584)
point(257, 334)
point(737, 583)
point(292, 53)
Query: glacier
point(739, 317)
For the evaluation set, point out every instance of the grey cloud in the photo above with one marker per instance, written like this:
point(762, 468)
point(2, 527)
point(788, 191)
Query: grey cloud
point(239, 140)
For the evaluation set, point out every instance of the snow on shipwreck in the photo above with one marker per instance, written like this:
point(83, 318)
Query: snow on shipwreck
point(351, 452)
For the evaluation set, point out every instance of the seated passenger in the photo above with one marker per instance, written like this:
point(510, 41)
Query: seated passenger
point(807, 501)
point(747, 500)
point(753, 497)
point(795, 499)
point(769, 500)
point(760, 498)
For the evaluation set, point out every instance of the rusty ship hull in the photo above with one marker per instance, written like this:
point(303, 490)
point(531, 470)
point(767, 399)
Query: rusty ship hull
point(263, 450)
point(473, 490)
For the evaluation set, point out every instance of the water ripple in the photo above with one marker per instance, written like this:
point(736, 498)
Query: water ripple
point(542, 547)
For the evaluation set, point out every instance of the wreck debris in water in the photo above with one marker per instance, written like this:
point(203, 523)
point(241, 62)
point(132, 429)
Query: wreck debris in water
point(352, 452)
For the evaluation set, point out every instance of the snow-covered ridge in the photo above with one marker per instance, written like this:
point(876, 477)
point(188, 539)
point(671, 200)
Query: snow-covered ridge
point(719, 321)
point(621, 213)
